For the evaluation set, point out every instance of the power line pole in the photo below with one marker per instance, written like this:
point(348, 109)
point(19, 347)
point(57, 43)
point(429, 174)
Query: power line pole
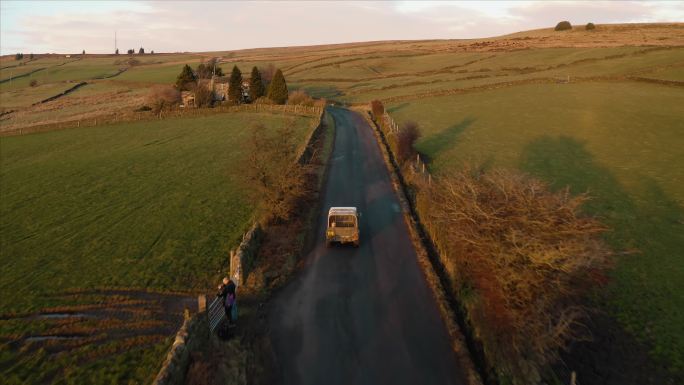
point(115, 45)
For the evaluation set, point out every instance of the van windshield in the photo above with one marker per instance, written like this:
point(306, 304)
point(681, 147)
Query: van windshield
point(342, 221)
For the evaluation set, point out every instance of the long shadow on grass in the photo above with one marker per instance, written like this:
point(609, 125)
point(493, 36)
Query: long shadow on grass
point(646, 232)
point(397, 107)
point(323, 91)
point(434, 144)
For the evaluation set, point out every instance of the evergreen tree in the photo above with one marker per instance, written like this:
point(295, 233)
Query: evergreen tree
point(235, 86)
point(116, 52)
point(83, 52)
point(256, 86)
point(141, 51)
point(277, 90)
point(185, 79)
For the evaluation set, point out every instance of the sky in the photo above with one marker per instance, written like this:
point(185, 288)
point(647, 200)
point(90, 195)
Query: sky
point(180, 26)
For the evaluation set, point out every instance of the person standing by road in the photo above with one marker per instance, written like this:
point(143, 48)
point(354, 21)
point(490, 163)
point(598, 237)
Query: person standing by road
point(227, 295)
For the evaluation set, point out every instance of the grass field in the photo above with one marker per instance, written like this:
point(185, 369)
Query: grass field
point(150, 205)
point(621, 142)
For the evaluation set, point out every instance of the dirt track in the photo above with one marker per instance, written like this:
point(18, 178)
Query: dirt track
point(361, 316)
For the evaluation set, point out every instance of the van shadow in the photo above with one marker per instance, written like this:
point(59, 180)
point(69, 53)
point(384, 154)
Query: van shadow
point(647, 234)
point(435, 144)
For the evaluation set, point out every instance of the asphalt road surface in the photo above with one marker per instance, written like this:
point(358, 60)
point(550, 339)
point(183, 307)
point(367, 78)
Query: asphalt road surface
point(366, 315)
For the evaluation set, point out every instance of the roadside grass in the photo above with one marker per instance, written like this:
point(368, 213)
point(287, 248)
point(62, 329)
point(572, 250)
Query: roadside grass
point(622, 143)
point(150, 205)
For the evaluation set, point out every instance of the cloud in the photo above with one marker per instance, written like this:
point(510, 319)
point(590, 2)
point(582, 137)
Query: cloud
point(211, 26)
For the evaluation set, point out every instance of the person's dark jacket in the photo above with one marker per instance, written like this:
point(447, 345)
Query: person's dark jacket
point(225, 291)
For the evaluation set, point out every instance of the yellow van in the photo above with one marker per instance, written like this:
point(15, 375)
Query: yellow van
point(343, 226)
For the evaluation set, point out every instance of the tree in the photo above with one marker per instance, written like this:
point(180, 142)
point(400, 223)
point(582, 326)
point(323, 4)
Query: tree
point(563, 26)
point(277, 90)
point(152, 52)
point(204, 97)
point(141, 51)
point(162, 97)
point(206, 71)
point(279, 182)
point(186, 79)
point(256, 86)
point(19, 56)
point(235, 86)
point(267, 74)
point(30, 56)
point(116, 52)
point(590, 26)
point(131, 51)
point(83, 52)
point(405, 139)
point(378, 109)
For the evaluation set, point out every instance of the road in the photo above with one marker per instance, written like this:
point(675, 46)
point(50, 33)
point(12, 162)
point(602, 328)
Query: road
point(366, 315)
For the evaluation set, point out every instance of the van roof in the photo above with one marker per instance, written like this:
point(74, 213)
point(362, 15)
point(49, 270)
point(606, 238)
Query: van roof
point(342, 211)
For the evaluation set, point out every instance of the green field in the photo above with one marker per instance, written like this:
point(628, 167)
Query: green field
point(621, 142)
point(150, 205)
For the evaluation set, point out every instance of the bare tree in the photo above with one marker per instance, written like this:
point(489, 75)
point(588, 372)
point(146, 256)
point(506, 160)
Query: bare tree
point(405, 140)
point(378, 109)
point(267, 74)
point(278, 180)
point(204, 97)
point(300, 97)
point(162, 97)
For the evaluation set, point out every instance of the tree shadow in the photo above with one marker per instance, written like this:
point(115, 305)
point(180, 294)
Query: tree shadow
point(434, 144)
point(646, 232)
point(397, 107)
point(322, 91)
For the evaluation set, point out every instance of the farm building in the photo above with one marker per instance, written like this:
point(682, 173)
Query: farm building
point(187, 99)
point(220, 87)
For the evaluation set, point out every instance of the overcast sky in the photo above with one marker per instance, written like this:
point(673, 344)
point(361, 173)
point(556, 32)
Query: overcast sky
point(171, 26)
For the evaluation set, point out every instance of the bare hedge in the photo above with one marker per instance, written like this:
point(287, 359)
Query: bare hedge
point(162, 97)
point(300, 97)
point(521, 259)
point(404, 140)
